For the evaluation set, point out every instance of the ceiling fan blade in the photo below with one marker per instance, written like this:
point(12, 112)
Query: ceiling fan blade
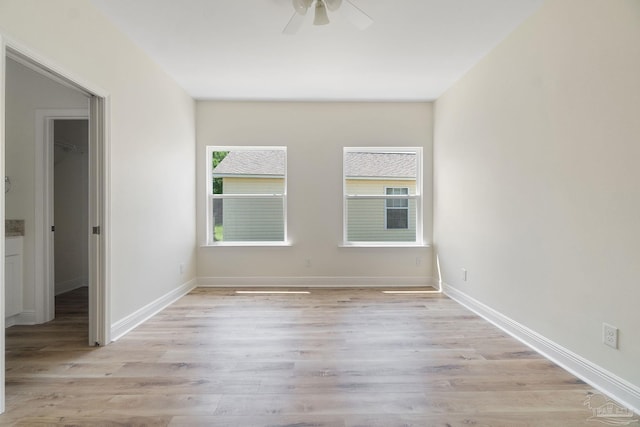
point(301, 6)
point(332, 4)
point(356, 15)
point(294, 24)
point(321, 17)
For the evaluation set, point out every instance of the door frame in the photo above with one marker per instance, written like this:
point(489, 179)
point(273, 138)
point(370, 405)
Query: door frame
point(44, 270)
point(99, 192)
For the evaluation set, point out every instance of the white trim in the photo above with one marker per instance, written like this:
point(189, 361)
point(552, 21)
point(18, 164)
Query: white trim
point(383, 245)
point(248, 244)
point(27, 317)
point(100, 216)
point(70, 285)
point(383, 196)
point(3, 61)
point(237, 175)
point(608, 383)
point(135, 319)
point(377, 178)
point(315, 282)
point(247, 196)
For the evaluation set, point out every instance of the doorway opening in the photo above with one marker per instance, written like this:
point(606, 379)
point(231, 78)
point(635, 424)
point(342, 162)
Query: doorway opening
point(62, 222)
point(71, 209)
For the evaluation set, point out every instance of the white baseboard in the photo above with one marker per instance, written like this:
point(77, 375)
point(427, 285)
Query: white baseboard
point(27, 317)
point(70, 285)
point(123, 326)
point(601, 379)
point(314, 282)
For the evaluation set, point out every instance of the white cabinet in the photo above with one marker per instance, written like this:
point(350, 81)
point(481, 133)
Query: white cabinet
point(13, 276)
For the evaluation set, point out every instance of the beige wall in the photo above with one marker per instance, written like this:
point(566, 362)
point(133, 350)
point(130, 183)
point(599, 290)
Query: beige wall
point(28, 91)
point(315, 134)
point(537, 187)
point(152, 143)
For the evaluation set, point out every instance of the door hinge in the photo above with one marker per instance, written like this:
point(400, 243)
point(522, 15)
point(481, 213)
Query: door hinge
point(96, 230)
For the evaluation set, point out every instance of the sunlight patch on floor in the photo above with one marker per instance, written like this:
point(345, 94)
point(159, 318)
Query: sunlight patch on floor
point(273, 292)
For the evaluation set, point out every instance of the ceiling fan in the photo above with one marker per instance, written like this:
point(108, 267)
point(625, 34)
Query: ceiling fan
point(360, 19)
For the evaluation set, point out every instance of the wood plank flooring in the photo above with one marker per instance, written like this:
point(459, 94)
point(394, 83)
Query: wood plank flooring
point(331, 358)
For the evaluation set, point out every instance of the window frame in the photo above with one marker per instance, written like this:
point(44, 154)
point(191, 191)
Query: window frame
point(418, 197)
point(387, 208)
point(210, 197)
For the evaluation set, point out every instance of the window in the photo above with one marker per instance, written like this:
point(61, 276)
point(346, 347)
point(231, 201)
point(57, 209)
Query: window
point(397, 215)
point(246, 195)
point(382, 196)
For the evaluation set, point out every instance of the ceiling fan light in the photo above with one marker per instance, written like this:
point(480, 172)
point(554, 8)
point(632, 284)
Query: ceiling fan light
point(321, 17)
point(301, 6)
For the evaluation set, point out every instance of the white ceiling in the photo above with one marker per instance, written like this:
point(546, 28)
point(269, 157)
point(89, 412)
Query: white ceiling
point(235, 49)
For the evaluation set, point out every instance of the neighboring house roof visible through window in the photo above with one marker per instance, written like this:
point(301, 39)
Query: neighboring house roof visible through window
point(357, 164)
point(376, 165)
point(252, 163)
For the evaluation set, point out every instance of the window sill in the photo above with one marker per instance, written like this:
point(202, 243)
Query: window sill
point(247, 244)
point(383, 245)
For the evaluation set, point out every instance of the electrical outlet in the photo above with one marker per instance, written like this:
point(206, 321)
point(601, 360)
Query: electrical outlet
point(181, 268)
point(464, 274)
point(307, 262)
point(418, 261)
point(610, 335)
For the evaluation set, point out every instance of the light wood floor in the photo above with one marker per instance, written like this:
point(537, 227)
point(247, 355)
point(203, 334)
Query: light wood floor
point(334, 357)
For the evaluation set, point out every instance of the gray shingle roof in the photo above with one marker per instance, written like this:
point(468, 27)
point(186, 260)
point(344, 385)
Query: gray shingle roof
point(252, 162)
point(357, 164)
point(379, 165)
